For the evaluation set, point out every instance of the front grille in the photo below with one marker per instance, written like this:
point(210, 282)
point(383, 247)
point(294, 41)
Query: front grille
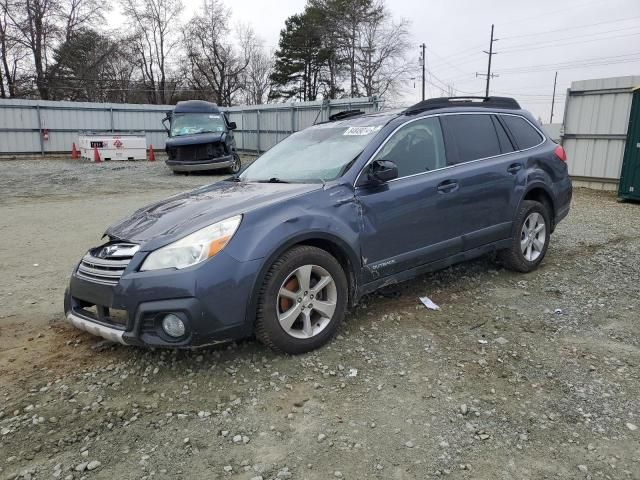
point(106, 264)
point(110, 316)
point(198, 152)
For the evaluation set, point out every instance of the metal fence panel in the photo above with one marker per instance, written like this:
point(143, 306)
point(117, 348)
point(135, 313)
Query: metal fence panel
point(595, 126)
point(23, 122)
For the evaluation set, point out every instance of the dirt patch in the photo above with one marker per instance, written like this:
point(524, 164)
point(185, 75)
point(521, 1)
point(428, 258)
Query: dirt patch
point(517, 376)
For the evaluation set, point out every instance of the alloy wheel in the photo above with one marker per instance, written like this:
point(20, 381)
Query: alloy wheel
point(533, 237)
point(306, 301)
point(237, 165)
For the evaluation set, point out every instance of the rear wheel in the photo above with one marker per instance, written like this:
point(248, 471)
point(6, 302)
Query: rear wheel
point(530, 240)
point(302, 301)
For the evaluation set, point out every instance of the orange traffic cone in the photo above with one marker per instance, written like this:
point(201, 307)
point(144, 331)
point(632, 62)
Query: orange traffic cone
point(152, 157)
point(74, 152)
point(96, 155)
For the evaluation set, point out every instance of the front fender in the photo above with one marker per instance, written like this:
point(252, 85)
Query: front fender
point(331, 215)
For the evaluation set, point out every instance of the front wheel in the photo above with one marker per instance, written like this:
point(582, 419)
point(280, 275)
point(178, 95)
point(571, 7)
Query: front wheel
point(236, 165)
point(302, 301)
point(531, 235)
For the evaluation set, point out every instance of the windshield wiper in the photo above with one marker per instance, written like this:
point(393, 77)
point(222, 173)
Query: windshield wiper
point(272, 180)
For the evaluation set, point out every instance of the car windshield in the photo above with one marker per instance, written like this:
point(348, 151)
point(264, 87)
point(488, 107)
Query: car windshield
point(191, 123)
point(316, 154)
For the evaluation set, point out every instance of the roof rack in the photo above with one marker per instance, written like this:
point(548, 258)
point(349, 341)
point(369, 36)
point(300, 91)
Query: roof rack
point(345, 114)
point(445, 102)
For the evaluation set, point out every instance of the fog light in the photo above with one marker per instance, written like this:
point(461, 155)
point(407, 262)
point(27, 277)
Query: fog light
point(173, 325)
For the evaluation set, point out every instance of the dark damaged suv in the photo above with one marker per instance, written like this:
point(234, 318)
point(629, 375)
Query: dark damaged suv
point(200, 138)
point(326, 216)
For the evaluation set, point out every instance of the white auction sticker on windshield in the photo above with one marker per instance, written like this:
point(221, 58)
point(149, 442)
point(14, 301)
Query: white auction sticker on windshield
point(362, 130)
point(214, 116)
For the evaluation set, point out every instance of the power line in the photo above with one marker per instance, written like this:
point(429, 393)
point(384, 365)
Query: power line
point(569, 66)
point(564, 29)
point(554, 44)
point(546, 14)
point(587, 62)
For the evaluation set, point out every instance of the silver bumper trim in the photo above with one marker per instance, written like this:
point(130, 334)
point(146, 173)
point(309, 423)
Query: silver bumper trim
point(112, 334)
point(196, 167)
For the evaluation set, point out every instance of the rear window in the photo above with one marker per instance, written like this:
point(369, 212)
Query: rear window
point(473, 136)
point(524, 134)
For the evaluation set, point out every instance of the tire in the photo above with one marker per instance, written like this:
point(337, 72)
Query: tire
point(287, 319)
point(526, 251)
point(237, 165)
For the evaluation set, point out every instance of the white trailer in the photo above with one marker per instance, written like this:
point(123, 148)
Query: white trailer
point(113, 146)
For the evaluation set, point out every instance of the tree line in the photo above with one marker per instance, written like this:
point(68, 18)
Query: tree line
point(59, 50)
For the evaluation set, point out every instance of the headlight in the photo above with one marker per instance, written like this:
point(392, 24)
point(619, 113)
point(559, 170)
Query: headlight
point(194, 248)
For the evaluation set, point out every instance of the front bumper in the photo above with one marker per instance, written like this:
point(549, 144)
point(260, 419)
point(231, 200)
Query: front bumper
point(211, 298)
point(200, 165)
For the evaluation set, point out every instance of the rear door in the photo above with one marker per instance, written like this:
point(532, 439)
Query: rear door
point(485, 169)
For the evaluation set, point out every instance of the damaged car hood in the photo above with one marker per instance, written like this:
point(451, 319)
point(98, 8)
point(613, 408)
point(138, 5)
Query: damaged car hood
point(175, 217)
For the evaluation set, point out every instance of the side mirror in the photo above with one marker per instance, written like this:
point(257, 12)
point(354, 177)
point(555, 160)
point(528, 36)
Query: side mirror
point(382, 171)
point(232, 125)
point(166, 122)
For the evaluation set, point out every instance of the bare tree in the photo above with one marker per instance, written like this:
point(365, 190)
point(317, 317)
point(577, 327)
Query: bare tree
point(380, 56)
point(257, 78)
point(216, 66)
point(256, 81)
point(36, 29)
point(41, 25)
point(156, 25)
point(81, 14)
point(12, 54)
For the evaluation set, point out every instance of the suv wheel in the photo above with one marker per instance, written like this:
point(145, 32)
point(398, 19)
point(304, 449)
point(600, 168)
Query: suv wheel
point(302, 301)
point(236, 165)
point(532, 231)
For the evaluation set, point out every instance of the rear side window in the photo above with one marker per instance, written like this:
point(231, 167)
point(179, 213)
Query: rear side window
point(472, 136)
point(505, 144)
point(522, 131)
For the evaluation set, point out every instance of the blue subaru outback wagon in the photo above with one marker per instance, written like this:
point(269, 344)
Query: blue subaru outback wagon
point(329, 214)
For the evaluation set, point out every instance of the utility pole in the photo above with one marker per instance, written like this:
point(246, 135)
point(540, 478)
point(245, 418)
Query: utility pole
point(423, 61)
point(491, 53)
point(553, 101)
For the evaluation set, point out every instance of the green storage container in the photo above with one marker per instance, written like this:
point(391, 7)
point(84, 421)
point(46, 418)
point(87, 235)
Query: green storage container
point(629, 188)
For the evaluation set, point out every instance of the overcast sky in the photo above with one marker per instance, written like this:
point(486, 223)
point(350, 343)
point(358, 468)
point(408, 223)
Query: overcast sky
point(595, 38)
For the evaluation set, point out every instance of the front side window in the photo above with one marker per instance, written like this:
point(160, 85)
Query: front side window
point(417, 147)
point(319, 153)
point(523, 132)
point(473, 136)
point(192, 123)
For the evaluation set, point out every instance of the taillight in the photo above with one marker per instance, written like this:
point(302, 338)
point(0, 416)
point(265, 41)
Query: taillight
point(560, 153)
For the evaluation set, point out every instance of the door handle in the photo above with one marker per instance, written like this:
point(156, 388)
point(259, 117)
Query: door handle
point(447, 186)
point(514, 168)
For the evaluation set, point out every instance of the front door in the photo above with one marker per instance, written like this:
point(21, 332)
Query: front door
point(408, 221)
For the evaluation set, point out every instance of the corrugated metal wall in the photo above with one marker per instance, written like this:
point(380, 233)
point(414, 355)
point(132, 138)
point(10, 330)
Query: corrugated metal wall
point(596, 119)
point(22, 122)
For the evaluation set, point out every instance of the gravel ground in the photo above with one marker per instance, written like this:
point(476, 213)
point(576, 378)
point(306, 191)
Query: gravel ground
point(517, 376)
